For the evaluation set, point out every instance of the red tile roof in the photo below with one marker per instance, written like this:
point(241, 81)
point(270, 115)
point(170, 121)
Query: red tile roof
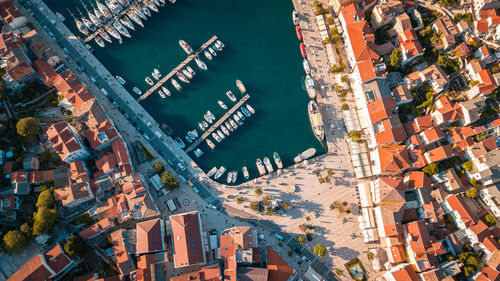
point(45, 71)
point(19, 71)
point(362, 41)
point(406, 273)
point(418, 179)
point(279, 270)
point(56, 258)
point(72, 88)
point(186, 236)
point(432, 134)
point(458, 204)
point(63, 139)
point(149, 236)
point(33, 270)
point(9, 12)
point(439, 153)
point(393, 158)
point(380, 109)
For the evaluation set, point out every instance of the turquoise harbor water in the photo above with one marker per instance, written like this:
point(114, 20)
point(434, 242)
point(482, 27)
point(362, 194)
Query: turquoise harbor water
point(261, 49)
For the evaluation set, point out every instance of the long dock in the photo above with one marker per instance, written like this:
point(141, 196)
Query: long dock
point(177, 69)
point(218, 123)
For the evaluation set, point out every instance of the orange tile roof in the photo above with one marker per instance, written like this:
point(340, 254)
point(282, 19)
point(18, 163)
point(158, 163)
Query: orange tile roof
point(204, 274)
point(35, 177)
point(33, 270)
point(406, 273)
point(459, 139)
point(393, 158)
point(19, 176)
point(458, 204)
point(279, 270)
point(19, 71)
point(380, 109)
point(393, 132)
point(418, 179)
point(125, 264)
point(351, 13)
point(419, 124)
point(149, 236)
point(482, 26)
point(72, 88)
point(433, 134)
point(449, 110)
point(491, 244)
point(9, 12)
point(56, 258)
point(186, 236)
point(45, 71)
point(398, 253)
point(120, 152)
point(439, 153)
point(63, 139)
point(362, 41)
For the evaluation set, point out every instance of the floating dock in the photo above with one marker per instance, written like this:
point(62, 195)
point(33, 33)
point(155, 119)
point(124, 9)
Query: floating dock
point(177, 69)
point(216, 125)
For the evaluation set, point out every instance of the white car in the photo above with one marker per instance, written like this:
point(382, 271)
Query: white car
point(306, 260)
point(181, 166)
point(196, 189)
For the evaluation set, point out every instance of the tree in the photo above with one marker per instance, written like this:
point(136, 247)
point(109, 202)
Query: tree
point(468, 165)
point(471, 192)
point(320, 250)
point(396, 58)
point(335, 39)
point(158, 167)
point(286, 205)
point(73, 246)
point(168, 181)
point(15, 241)
point(355, 136)
point(344, 78)
point(256, 206)
point(300, 239)
point(258, 191)
point(25, 229)
point(45, 199)
point(490, 220)
point(240, 199)
point(28, 127)
point(44, 220)
point(330, 20)
point(431, 169)
point(474, 182)
point(266, 199)
point(345, 106)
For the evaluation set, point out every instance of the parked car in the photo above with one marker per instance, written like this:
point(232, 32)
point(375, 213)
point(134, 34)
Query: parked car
point(181, 166)
point(196, 189)
point(183, 179)
point(306, 260)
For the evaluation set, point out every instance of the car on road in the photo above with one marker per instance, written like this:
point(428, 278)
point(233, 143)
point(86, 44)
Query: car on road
point(183, 179)
point(279, 237)
point(212, 206)
point(181, 166)
point(306, 260)
point(196, 189)
point(93, 80)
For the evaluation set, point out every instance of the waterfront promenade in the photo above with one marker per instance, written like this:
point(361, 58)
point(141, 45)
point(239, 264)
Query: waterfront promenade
point(177, 69)
point(218, 123)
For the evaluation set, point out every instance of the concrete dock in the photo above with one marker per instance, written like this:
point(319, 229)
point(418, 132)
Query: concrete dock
point(218, 123)
point(177, 69)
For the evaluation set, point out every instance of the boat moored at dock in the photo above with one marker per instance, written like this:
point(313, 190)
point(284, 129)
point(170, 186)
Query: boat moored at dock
point(307, 66)
point(222, 104)
point(303, 50)
point(137, 90)
point(176, 84)
point(180, 143)
point(210, 144)
point(309, 83)
point(185, 46)
point(295, 17)
point(207, 55)
point(316, 120)
point(240, 86)
point(166, 91)
point(220, 172)
point(268, 165)
point(250, 108)
point(305, 155)
point(245, 172)
point(277, 160)
point(260, 167)
point(212, 172)
point(167, 129)
point(299, 32)
point(120, 80)
point(200, 64)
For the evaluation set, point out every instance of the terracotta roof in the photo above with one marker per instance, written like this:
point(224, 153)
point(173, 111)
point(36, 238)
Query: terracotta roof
point(406, 273)
point(362, 41)
point(19, 176)
point(72, 88)
point(149, 236)
point(19, 71)
point(99, 129)
point(458, 204)
point(45, 71)
point(56, 258)
point(9, 12)
point(432, 134)
point(488, 273)
point(33, 270)
point(491, 244)
point(120, 152)
point(40, 176)
point(389, 131)
point(204, 274)
point(419, 124)
point(439, 153)
point(449, 110)
point(125, 264)
point(351, 13)
point(393, 158)
point(279, 270)
point(482, 26)
point(63, 139)
point(418, 179)
point(459, 139)
point(186, 236)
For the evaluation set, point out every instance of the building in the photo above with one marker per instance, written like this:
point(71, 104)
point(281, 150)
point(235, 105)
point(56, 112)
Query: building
point(386, 13)
point(150, 237)
point(446, 26)
point(187, 241)
point(120, 254)
point(77, 190)
point(66, 142)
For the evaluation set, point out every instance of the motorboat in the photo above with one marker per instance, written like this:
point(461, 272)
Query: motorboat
point(295, 17)
point(220, 43)
point(207, 118)
point(157, 3)
point(305, 155)
point(260, 167)
point(126, 22)
point(212, 172)
point(187, 74)
point(222, 104)
point(163, 2)
point(200, 125)
point(224, 129)
point(235, 176)
point(157, 72)
point(125, 3)
point(228, 126)
point(155, 76)
point(207, 55)
point(250, 108)
point(167, 129)
point(299, 32)
point(172, 1)
point(205, 124)
point(191, 70)
point(182, 77)
point(237, 119)
point(245, 112)
point(220, 172)
point(316, 120)
point(200, 64)
point(176, 84)
point(245, 172)
point(179, 142)
point(210, 144)
point(212, 52)
point(309, 83)
point(277, 160)
point(221, 135)
point(216, 137)
point(233, 124)
point(240, 86)
point(162, 94)
point(211, 114)
point(303, 50)
point(307, 66)
point(242, 117)
point(216, 45)
point(189, 139)
point(137, 90)
point(195, 133)
point(149, 81)
point(269, 166)
point(231, 96)
point(166, 91)
point(120, 80)
point(120, 28)
point(229, 177)
point(104, 35)
point(99, 41)
point(185, 46)
point(109, 29)
point(114, 6)
point(135, 18)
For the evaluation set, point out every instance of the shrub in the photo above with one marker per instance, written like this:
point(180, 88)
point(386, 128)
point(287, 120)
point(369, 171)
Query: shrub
point(327, 41)
point(308, 218)
point(471, 192)
point(474, 182)
point(300, 240)
point(330, 20)
point(258, 191)
point(490, 220)
point(15, 241)
point(28, 127)
point(468, 166)
point(339, 272)
point(240, 199)
point(431, 169)
point(369, 255)
point(309, 236)
point(345, 106)
point(319, 250)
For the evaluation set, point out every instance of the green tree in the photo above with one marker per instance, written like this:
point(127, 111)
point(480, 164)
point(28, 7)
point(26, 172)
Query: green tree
point(300, 239)
point(335, 39)
point(44, 220)
point(168, 181)
point(73, 246)
point(15, 241)
point(258, 191)
point(240, 199)
point(431, 169)
point(320, 250)
point(474, 182)
point(471, 192)
point(158, 167)
point(28, 127)
point(490, 220)
point(256, 206)
point(468, 165)
point(344, 78)
point(330, 20)
point(25, 229)
point(345, 106)
point(266, 199)
point(354, 135)
point(396, 58)
point(45, 199)
point(286, 205)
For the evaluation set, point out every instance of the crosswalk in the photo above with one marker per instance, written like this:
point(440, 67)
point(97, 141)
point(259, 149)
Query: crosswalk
point(210, 199)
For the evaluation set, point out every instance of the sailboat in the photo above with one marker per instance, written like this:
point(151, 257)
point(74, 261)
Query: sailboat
point(126, 22)
point(112, 32)
point(120, 28)
point(151, 6)
point(104, 35)
point(98, 13)
point(90, 25)
point(92, 17)
point(104, 10)
point(133, 16)
point(81, 27)
point(138, 11)
point(166, 91)
point(99, 41)
point(200, 64)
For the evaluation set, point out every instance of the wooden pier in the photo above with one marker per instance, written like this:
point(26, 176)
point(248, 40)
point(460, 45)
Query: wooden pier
point(218, 123)
point(177, 69)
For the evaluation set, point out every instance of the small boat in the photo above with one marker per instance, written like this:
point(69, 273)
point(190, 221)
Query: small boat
point(149, 81)
point(104, 10)
point(221, 135)
point(166, 91)
point(157, 72)
point(151, 5)
point(185, 46)
point(200, 64)
point(246, 112)
point(220, 172)
point(228, 126)
point(245, 172)
point(250, 109)
point(162, 95)
point(172, 1)
point(133, 16)
point(190, 70)
point(260, 167)
point(182, 77)
point(176, 84)
point(216, 45)
point(139, 12)
point(187, 74)
point(179, 142)
point(207, 55)
point(269, 166)
point(295, 17)
point(277, 160)
point(307, 66)
point(99, 41)
point(229, 177)
point(120, 80)
point(299, 32)
point(155, 76)
point(242, 117)
point(209, 120)
point(137, 90)
point(200, 125)
point(231, 96)
point(211, 114)
point(210, 144)
point(303, 50)
point(235, 176)
point(195, 133)
point(120, 28)
point(309, 82)
point(191, 135)
point(237, 119)
point(212, 52)
point(205, 124)
point(167, 129)
point(222, 104)
point(224, 129)
point(216, 137)
point(316, 120)
point(146, 10)
point(212, 172)
point(198, 152)
point(233, 124)
point(220, 43)
point(305, 155)
point(189, 139)
point(240, 86)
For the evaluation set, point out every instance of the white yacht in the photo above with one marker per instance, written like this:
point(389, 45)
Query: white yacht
point(112, 32)
point(207, 55)
point(104, 10)
point(176, 84)
point(133, 16)
point(126, 22)
point(120, 28)
point(166, 91)
point(99, 41)
point(200, 64)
